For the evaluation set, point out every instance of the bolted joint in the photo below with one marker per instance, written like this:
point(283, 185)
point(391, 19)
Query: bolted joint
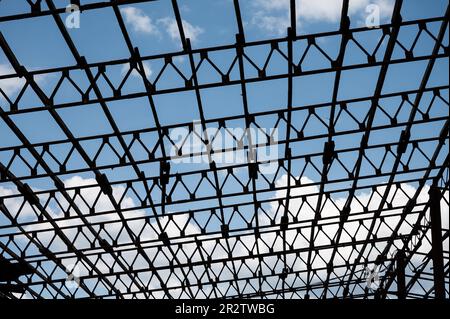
point(403, 143)
point(28, 194)
point(164, 172)
point(328, 152)
point(253, 170)
point(106, 246)
point(225, 229)
point(164, 238)
point(284, 222)
point(104, 184)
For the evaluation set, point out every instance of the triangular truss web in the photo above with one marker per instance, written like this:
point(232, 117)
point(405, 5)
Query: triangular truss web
point(341, 196)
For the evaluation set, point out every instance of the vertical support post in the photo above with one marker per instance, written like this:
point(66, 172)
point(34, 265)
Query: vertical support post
point(401, 286)
point(436, 242)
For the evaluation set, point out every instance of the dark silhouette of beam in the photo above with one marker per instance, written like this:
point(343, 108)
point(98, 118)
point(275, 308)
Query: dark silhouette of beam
point(436, 242)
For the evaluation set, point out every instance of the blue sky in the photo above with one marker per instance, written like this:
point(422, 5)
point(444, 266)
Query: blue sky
point(38, 45)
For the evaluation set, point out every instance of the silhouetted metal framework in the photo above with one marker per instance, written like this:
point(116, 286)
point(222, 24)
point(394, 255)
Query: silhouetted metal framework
point(233, 251)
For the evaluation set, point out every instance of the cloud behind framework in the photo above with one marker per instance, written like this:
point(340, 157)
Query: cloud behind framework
point(135, 73)
point(142, 23)
point(10, 86)
point(190, 31)
point(92, 197)
point(273, 15)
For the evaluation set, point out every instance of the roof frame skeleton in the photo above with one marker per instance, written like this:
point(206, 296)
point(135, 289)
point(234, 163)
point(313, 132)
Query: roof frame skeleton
point(313, 281)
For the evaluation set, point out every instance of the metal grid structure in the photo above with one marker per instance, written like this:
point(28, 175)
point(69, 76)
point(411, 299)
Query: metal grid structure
point(194, 236)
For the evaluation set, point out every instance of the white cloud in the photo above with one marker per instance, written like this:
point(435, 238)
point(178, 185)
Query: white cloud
point(190, 31)
point(10, 85)
point(179, 59)
point(144, 24)
point(271, 23)
point(13, 85)
point(139, 20)
point(371, 200)
point(92, 196)
point(20, 209)
point(148, 71)
point(273, 15)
